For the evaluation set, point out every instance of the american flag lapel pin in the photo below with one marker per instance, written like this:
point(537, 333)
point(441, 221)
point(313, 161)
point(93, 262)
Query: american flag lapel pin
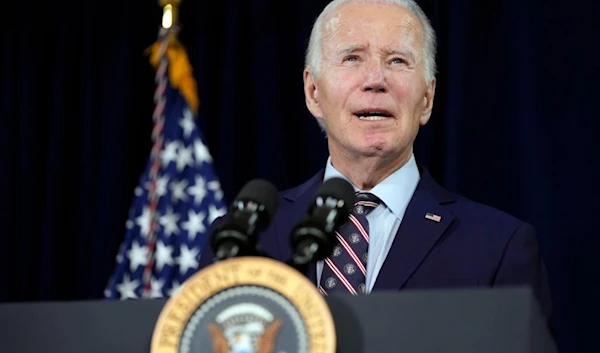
point(433, 217)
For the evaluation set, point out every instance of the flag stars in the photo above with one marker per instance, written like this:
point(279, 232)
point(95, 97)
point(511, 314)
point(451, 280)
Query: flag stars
point(214, 213)
point(143, 221)
point(138, 256)
point(128, 287)
point(156, 286)
point(187, 123)
point(161, 185)
point(201, 152)
point(169, 222)
point(215, 187)
point(163, 256)
point(178, 190)
point(170, 153)
point(184, 158)
point(198, 190)
point(194, 224)
point(188, 259)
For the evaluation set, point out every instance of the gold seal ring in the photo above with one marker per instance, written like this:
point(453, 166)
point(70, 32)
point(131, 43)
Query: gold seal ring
point(179, 319)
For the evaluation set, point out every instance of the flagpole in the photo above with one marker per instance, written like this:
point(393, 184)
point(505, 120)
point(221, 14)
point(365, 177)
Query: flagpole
point(168, 31)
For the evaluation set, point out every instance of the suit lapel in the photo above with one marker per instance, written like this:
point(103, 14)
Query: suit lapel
point(284, 248)
point(416, 235)
point(283, 242)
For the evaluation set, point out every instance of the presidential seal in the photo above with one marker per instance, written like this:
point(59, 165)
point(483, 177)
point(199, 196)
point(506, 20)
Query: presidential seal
point(245, 305)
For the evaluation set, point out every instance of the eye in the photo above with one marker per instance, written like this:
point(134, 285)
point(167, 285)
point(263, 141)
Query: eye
point(351, 58)
point(398, 61)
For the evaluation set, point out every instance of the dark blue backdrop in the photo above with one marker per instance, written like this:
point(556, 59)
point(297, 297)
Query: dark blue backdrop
point(514, 125)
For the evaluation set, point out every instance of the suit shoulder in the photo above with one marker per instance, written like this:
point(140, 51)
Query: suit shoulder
point(473, 213)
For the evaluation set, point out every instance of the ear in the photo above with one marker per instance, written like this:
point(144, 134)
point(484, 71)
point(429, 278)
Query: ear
point(311, 94)
point(428, 103)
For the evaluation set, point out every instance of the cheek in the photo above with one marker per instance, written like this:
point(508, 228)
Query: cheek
point(344, 82)
point(403, 91)
point(408, 98)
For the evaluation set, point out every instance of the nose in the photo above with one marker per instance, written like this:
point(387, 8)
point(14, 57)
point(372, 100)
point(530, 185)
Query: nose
point(375, 80)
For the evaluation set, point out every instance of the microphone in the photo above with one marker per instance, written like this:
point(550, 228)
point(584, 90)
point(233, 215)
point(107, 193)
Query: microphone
point(249, 213)
point(313, 238)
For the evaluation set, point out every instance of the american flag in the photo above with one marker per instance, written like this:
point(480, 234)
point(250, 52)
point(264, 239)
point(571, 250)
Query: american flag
point(433, 217)
point(178, 195)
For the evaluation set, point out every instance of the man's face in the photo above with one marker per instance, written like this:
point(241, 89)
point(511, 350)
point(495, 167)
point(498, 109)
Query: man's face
point(371, 91)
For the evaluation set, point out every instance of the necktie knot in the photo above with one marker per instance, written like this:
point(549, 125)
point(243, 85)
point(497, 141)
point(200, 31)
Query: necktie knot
point(365, 203)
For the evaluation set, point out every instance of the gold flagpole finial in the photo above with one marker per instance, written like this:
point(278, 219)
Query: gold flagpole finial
point(179, 68)
point(170, 12)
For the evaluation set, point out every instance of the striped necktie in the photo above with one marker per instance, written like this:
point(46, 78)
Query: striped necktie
point(345, 269)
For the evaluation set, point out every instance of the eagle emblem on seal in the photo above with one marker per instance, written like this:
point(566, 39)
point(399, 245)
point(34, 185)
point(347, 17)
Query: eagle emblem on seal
point(244, 328)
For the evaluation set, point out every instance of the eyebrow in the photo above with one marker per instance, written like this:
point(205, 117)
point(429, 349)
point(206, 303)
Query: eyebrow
point(350, 49)
point(355, 48)
point(403, 52)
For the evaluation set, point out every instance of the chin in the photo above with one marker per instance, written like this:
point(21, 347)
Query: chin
point(374, 150)
point(378, 142)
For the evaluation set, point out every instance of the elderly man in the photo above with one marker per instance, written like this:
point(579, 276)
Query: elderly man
point(370, 83)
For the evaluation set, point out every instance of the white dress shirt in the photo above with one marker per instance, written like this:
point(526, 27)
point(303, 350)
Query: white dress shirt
point(395, 192)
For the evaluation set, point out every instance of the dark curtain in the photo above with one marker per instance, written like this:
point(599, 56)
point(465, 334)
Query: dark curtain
point(514, 126)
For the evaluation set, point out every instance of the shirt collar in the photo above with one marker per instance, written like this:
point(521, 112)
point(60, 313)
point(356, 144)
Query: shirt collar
point(395, 191)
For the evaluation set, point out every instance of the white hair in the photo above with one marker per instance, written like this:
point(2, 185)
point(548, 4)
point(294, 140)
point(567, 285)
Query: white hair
point(314, 53)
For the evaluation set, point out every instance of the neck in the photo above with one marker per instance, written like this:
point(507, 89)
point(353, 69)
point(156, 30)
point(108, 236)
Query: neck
point(367, 171)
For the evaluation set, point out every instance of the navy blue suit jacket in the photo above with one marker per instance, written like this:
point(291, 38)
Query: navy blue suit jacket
point(473, 245)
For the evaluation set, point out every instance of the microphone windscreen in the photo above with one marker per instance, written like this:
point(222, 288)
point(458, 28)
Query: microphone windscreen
point(340, 189)
point(261, 192)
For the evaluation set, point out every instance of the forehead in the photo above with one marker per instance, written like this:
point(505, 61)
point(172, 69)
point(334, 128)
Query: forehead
point(372, 24)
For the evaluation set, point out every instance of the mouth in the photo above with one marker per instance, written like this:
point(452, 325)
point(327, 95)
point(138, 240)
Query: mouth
point(373, 114)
